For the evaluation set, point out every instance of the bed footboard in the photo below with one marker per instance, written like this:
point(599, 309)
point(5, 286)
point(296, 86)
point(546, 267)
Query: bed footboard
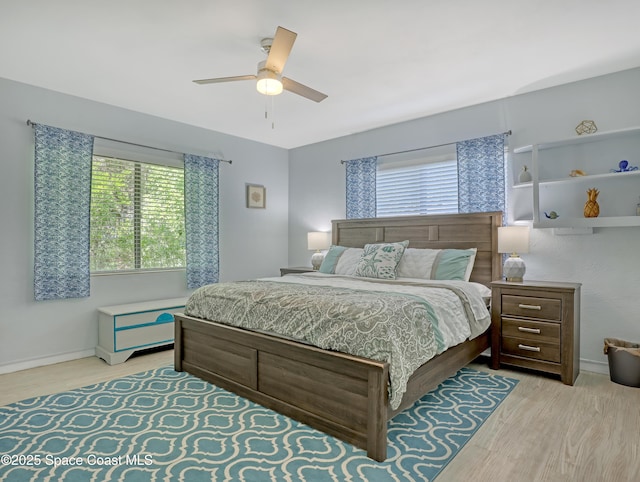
point(342, 395)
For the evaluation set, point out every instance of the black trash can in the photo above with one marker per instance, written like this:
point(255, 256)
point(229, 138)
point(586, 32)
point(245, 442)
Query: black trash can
point(624, 361)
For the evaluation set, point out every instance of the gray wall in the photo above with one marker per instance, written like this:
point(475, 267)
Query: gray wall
point(253, 242)
point(607, 262)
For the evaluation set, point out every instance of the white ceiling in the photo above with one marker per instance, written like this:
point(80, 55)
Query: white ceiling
point(380, 62)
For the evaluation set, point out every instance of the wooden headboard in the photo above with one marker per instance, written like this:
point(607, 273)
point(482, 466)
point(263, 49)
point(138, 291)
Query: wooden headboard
point(459, 231)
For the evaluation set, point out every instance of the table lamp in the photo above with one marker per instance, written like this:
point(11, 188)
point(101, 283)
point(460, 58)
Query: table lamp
point(513, 240)
point(318, 241)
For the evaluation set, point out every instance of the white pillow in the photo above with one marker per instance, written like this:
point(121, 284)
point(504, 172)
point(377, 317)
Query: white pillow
point(437, 263)
point(417, 263)
point(348, 261)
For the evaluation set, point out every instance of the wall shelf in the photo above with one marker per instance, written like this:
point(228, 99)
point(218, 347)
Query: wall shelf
point(591, 177)
point(558, 189)
point(599, 222)
point(585, 138)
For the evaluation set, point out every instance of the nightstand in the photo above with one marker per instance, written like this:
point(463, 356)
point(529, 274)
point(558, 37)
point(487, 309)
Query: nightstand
point(295, 269)
point(536, 325)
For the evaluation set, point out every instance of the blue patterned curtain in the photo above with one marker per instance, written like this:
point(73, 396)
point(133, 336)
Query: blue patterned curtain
point(62, 213)
point(361, 188)
point(481, 173)
point(201, 219)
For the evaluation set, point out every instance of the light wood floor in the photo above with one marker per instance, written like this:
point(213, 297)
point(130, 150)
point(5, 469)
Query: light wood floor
point(543, 431)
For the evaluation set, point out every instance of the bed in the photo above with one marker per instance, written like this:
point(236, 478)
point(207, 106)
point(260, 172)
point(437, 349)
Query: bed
point(341, 394)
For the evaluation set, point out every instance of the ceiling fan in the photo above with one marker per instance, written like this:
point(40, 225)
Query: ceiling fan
point(269, 76)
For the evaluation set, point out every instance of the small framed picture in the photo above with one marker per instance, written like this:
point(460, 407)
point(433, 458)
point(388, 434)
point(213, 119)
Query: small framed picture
point(256, 196)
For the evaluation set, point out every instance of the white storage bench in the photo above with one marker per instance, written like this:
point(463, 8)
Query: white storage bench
point(124, 329)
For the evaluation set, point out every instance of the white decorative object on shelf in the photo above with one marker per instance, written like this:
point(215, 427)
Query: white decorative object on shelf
point(525, 175)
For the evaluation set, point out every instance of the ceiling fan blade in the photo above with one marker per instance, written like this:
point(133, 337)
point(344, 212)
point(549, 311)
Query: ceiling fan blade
point(225, 79)
point(280, 49)
point(303, 90)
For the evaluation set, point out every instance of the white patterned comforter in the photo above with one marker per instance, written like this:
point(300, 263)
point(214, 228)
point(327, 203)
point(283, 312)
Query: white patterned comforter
point(402, 322)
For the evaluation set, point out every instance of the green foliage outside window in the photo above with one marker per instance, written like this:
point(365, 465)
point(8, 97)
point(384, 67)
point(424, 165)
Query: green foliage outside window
point(137, 216)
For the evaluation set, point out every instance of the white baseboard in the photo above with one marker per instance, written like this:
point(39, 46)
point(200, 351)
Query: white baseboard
point(49, 360)
point(585, 365)
point(594, 366)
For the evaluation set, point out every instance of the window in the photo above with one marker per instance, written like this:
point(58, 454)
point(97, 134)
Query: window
point(137, 215)
point(418, 188)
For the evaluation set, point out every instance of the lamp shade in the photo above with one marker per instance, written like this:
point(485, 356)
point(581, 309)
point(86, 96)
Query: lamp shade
point(513, 239)
point(317, 240)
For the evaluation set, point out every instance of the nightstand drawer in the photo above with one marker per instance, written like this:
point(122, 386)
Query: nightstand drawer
point(530, 307)
point(531, 330)
point(539, 350)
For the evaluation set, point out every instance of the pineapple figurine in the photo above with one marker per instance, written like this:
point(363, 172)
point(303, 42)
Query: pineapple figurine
point(591, 207)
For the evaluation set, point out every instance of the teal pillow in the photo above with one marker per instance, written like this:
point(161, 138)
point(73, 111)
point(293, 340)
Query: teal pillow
point(380, 260)
point(330, 260)
point(454, 264)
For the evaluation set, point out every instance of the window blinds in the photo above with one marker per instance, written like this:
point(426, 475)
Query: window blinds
point(137, 215)
point(430, 188)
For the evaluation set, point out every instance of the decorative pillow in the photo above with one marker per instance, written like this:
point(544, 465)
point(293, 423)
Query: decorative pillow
point(380, 260)
point(330, 260)
point(348, 261)
point(417, 263)
point(454, 264)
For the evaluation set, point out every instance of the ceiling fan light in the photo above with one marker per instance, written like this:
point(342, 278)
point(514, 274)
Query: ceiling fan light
point(269, 82)
point(269, 86)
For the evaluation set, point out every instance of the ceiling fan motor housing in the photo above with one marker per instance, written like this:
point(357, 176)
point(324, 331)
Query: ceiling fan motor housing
point(265, 44)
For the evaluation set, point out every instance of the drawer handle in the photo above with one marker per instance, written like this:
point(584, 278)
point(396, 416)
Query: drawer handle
point(530, 307)
point(529, 330)
point(529, 348)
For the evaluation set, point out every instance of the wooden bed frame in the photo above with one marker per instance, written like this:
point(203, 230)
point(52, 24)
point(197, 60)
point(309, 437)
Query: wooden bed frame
point(342, 395)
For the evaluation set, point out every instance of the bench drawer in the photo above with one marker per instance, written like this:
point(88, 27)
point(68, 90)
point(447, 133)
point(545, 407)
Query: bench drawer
point(144, 336)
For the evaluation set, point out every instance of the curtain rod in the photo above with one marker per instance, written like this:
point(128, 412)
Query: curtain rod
point(506, 133)
point(30, 123)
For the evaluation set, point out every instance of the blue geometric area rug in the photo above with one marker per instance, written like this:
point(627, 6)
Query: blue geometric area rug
point(162, 425)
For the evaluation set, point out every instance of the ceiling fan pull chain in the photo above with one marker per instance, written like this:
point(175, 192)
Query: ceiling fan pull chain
point(273, 113)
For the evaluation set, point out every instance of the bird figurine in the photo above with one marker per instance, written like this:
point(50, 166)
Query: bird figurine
point(551, 215)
